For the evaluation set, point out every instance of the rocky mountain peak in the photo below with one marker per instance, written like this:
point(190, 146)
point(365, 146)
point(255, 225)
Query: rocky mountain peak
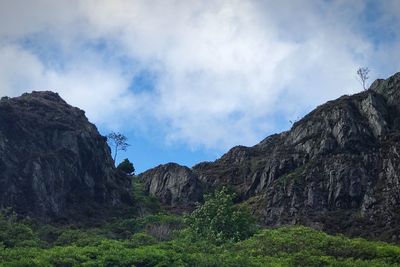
point(44, 95)
point(388, 88)
point(54, 164)
point(337, 168)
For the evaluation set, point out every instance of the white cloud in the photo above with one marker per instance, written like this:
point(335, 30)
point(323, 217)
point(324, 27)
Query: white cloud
point(224, 68)
point(88, 84)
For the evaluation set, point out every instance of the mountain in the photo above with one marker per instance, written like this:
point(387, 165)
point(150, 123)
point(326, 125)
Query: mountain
point(337, 169)
point(54, 164)
point(173, 185)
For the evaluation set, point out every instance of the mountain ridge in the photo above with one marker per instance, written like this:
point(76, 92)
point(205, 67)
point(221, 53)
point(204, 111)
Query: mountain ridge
point(54, 164)
point(336, 169)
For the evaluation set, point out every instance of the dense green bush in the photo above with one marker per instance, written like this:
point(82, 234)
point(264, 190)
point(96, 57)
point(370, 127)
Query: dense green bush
point(218, 220)
point(77, 237)
point(142, 239)
point(14, 233)
point(286, 246)
point(138, 241)
point(127, 167)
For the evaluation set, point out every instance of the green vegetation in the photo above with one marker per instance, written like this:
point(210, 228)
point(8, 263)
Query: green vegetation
point(145, 203)
point(127, 167)
point(216, 234)
point(219, 221)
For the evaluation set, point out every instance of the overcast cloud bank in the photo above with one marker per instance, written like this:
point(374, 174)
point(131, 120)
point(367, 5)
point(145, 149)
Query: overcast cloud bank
point(208, 74)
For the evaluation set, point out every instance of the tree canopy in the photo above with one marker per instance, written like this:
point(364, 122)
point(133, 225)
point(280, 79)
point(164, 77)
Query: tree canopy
point(218, 220)
point(118, 142)
point(362, 74)
point(127, 167)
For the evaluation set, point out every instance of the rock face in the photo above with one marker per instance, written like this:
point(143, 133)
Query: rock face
point(337, 169)
point(54, 164)
point(173, 185)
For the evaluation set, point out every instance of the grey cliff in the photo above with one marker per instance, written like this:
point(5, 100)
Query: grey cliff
point(54, 164)
point(337, 169)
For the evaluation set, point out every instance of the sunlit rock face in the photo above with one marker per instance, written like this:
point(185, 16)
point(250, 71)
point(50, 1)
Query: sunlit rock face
point(54, 164)
point(336, 169)
point(173, 185)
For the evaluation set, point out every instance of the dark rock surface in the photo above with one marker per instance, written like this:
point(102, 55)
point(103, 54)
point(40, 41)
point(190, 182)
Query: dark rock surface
point(337, 169)
point(54, 164)
point(173, 185)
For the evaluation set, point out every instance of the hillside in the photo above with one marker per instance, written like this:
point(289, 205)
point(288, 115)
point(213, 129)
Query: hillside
point(337, 169)
point(145, 241)
point(54, 164)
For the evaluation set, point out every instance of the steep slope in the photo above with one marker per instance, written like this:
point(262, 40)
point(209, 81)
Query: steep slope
point(54, 164)
point(173, 185)
point(336, 169)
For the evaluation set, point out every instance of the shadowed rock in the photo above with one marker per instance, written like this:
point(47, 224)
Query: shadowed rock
point(337, 169)
point(54, 164)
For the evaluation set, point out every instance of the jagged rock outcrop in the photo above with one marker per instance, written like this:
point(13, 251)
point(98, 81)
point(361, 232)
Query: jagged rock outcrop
point(337, 169)
point(54, 164)
point(173, 185)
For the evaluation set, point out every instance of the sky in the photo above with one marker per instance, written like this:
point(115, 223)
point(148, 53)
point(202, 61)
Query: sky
point(186, 80)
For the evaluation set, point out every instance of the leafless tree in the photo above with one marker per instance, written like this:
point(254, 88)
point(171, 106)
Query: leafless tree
point(362, 74)
point(160, 231)
point(118, 142)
